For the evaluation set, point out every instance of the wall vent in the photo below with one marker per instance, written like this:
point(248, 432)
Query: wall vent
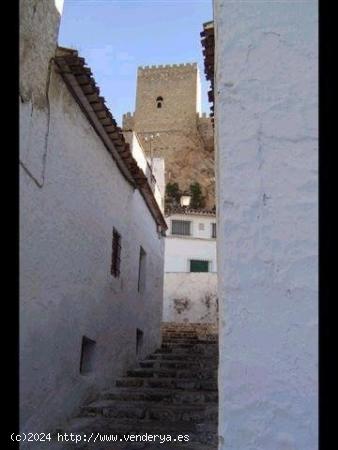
point(87, 360)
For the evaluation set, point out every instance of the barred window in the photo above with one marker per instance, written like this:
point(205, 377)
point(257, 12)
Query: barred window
point(181, 227)
point(116, 254)
point(213, 230)
point(142, 271)
point(197, 265)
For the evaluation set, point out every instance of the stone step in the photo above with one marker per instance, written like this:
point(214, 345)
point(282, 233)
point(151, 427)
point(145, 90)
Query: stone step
point(174, 396)
point(178, 364)
point(190, 345)
point(173, 373)
point(151, 411)
point(168, 383)
point(169, 356)
point(188, 341)
point(197, 351)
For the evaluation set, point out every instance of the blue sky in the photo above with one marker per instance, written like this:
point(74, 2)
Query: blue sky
point(117, 36)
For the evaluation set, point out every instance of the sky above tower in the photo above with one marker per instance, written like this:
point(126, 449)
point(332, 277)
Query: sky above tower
point(117, 36)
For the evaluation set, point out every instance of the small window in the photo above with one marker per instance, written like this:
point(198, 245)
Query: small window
point(116, 254)
point(87, 355)
point(139, 340)
point(181, 227)
point(159, 102)
point(142, 271)
point(213, 230)
point(199, 265)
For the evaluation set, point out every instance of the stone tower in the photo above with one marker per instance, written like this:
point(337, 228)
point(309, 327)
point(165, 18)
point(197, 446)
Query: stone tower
point(169, 124)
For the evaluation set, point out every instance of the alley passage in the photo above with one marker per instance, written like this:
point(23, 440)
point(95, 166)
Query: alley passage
point(173, 392)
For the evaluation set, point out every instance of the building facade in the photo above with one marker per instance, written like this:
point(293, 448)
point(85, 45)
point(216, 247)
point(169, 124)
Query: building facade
point(91, 233)
point(170, 125)
point(190, 279)
point(266, 138)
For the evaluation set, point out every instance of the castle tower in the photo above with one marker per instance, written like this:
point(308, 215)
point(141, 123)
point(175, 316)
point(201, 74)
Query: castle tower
point(168, 97)
point(169, 123)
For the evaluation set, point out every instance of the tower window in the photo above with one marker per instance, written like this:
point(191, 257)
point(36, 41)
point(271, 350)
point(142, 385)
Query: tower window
point(159, 102)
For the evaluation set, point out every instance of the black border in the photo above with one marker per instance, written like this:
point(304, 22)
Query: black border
point(327, 129)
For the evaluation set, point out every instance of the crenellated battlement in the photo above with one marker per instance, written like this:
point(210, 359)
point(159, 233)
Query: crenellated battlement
point(128, 121)
point(183, 66)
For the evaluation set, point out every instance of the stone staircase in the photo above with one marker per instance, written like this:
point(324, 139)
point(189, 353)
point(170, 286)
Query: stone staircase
point(173, 391)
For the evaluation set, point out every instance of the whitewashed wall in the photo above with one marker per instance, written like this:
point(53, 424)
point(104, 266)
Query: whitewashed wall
point(180, 250)
point(190, 297)
point(144, 164)
point(66, 289)
point(267, 175)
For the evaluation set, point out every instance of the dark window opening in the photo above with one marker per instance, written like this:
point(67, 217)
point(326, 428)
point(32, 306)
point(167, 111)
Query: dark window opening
point(116, 254)
point(87, 355)
point(139, 340)
point(142, 271)
point(159, 102)
point(199, 266)
point(181, 227)
point(213, 231)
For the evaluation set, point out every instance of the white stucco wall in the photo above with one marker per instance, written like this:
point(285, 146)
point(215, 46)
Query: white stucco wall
point(66, 289)
point(144, 164)
point(190, 297)
point(179, 250)
point(267, 174)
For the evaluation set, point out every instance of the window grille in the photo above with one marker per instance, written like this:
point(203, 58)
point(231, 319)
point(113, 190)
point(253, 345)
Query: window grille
point(116, 254)
point(213, 231)
point(199, 265)
point(181, 227)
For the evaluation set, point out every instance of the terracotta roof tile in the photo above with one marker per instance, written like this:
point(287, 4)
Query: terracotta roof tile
point(82, 86)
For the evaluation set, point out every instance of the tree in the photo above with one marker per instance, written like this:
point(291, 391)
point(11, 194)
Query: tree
point(197, 199)
point(173, 191)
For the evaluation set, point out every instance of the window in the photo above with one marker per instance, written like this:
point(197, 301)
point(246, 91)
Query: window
point(213, 230)
point(159, 102)
point(197, 265)
point(139, 340)
point(181, 227)
point(87, 355)
point(142, 271)
point(116, 254)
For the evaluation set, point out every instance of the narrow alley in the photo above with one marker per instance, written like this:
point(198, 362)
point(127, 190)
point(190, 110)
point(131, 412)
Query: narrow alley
point(169, 401)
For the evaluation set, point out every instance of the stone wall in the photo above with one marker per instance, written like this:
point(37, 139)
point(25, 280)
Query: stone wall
point(38, 20)
point(177, 86)
point(266, 106)
point(190, 298)
point(66, 288)
point(181, 135)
